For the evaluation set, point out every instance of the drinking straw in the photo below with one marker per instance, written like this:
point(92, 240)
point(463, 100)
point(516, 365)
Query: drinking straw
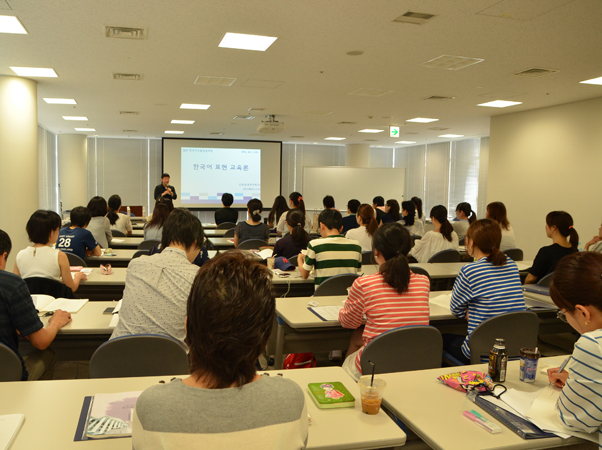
point(373, 369)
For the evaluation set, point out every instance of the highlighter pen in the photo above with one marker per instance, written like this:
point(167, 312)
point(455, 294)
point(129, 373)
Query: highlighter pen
point(477, 418)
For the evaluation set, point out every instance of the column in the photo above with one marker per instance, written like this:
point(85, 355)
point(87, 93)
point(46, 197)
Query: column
point(18, 158)
point(357, 155)
point(73, 170)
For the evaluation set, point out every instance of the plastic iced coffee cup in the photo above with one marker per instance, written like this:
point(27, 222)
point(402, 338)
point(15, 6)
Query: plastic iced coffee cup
point(371, 396)
point(529, 358)
point(271, 261)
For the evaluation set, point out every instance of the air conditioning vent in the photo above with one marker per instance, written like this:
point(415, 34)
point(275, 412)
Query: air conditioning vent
point(215, 81)
point(243, 117)
point(127, 76)
point(126, 33)
point(129, 113)
point(414, 17)
point(370, 140)
point(438, 128)
point(369, 92)
point(297, 137)
point(347, 123)
point(130, 131)
point(536, 72)
point(438, 98)
point(215, 133)
point(451, 62)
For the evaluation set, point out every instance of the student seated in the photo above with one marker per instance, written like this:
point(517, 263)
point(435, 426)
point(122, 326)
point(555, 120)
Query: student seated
point(418, 204)
point(332, 254)
point(350, 221)
point(296, 239)
point(99, 225)
point(77, 239)
point(19, 317)
point(496, 211)
point(443, 237)
point(253, 227)
point(413, 224)
point(40, 259)
point(153, 229)
point(393, 297)
point(464, 217)
point(559, 228)
point(157, 286)
point(392, 212)
point(378, 203)
point(119, 221)
point(577, 291)
point(367, 226)
point(279, 207)
point(328, 202)
point(295, 202)
point(226, 214)
point(595, 243)
point(222, 404)
point(484, 289)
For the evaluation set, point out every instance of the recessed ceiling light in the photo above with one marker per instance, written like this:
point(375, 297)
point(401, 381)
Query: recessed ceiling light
point(451, 135)
point(194, 106)
point(185, 122)
point(85, 129)
point(370, 130)
point(422, 120)
point(34, 72)
point(246, 42)
point(173, 132)
point(11, 24)
point(405, 142)
point(334, 139)
point(75, 118)
point(500, 104)
point(593, 81)
point(60, 101)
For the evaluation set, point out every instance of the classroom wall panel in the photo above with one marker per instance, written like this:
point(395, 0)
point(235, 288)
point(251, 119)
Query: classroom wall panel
point(548, 159)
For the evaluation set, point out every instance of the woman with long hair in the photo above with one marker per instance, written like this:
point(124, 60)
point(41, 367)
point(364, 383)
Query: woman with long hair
point(392, 211)
point(99, 225)
point(559, 228)
point(443, 237)
point(412, 223)
point(295, 202)
point(496, 211)
point(278, 208)
point(154, 228)
point(465, 216)
point(253, 227)
point(367, 226)
point(418, 204)
point(118, 221)
point(484, 289)
point(296, 239)
point(393, 297)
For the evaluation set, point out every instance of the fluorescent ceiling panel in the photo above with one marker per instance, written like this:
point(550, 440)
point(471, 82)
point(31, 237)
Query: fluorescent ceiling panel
point(593, 81)
point(451, 135)
point(60, 101)
point(246, 42)
point(422, 120)
point(12, 25)
point(500, 104)
point(173, 132)
point(194, 106)
point(75, 118)
point(85, 129)
point(185, 122)
point(34, 72)
point(334, 139)
point(405, 142)
point(370, 130)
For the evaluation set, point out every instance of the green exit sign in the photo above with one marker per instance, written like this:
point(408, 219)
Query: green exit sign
point(394, 132)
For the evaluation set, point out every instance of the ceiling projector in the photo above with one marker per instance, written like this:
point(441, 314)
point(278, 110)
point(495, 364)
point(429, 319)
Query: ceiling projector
point(271, 126)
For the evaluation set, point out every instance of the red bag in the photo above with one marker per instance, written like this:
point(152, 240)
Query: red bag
point(299, 361)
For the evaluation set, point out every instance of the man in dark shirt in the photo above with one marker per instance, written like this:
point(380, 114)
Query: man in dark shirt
point(226, 214)
point(165, 190)
point(378, 202)
point(18, 315)
point(350, 221)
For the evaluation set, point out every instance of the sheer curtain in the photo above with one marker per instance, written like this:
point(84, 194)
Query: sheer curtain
point(48, 171)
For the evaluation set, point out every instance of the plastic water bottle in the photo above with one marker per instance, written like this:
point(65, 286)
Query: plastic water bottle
point(498, 360)
point(128, 209)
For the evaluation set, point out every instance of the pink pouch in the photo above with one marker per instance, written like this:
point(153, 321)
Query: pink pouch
point(462, 381)
point(106, 270)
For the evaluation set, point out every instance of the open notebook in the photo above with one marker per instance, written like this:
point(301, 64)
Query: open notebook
point(48, 303)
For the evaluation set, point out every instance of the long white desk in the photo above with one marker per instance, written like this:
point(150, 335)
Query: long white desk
point(126, 242)
point(52, 410)
point(121, 259)
point(434, 411)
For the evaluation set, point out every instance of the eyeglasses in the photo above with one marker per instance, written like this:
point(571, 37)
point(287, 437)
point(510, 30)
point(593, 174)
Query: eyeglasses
point(562, 315)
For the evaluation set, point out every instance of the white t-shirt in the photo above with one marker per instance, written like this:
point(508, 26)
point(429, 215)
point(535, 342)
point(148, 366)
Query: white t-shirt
point(432, 242)
point(283, 229)
point(361, 235)
point(508, 240)
point(39, 262)
point(123, 224)
point(461, 227)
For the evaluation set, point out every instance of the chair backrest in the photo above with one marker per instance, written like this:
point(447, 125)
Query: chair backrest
point(47, 286)
point(229, 233)
point(547, 280)
point(140, 253)
point(148, 244)
point(252, 244)
point(416, 237)
point(515, 254)
point(367, 258)
point(139, 355)
point(336, 285)
point(403, 349)
point(117, 233)
point(11, 368)
point(420, 271)
point(446, 256)
point(75, 260)
point(294, 260)
point(462, 241)
point(519, 329)
point(225, 226)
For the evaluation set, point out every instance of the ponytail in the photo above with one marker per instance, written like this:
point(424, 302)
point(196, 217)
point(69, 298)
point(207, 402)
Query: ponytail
point(296, 220)
point(439, 212)
point(486, 235)
point(297, 200)
point(467, 210)
point(366, 214)
point(393, 241)
point(473, 217)
point(573, 238)
point(418, 204)
point(410, 207)
point(497, 257)
point(114, 205)
point(255, 207)
point(564, 224)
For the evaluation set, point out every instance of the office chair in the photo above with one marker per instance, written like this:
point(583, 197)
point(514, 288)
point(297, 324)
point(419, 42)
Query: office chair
point(117, 233)
point(225, 226)
point(336, 285)
point(48, 286)
point(446, 256)
point(229, 233)
point(75, 260)
point(252, 244)
point(11, 367)
point(148, 244)
point(547, 280)
point(140, 253)
point(367, 258)
point(515, 254)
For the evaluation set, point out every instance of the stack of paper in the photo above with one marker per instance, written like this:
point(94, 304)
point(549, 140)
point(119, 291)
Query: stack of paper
point(111, 415)
point(71, 306)
point(442, 300)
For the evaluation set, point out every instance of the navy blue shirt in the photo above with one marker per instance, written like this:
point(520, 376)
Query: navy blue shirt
point(76, 241)
point(17, 312)
point(349, 223)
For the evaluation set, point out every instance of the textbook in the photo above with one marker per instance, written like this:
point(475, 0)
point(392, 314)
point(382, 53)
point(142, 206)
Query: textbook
point(331, 395)
point(10, 424)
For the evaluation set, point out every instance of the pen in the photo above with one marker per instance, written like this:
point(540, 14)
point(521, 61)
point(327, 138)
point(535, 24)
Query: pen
point(561, 368)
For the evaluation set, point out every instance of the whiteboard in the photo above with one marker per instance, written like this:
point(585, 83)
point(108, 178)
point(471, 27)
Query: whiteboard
point(346, 183)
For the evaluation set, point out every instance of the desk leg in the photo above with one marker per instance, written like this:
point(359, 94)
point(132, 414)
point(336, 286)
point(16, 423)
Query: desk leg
point(279, 348)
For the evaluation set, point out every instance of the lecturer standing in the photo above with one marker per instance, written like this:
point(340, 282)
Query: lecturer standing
point(164, 190)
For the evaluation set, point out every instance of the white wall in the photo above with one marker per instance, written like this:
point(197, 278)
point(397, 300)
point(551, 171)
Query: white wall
point(544, 160)
point(73, 157)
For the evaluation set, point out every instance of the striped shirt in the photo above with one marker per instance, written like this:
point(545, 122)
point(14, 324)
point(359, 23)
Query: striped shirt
point(580, 402)
point(486, 291)
point(333, 255)
point(385, 309)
